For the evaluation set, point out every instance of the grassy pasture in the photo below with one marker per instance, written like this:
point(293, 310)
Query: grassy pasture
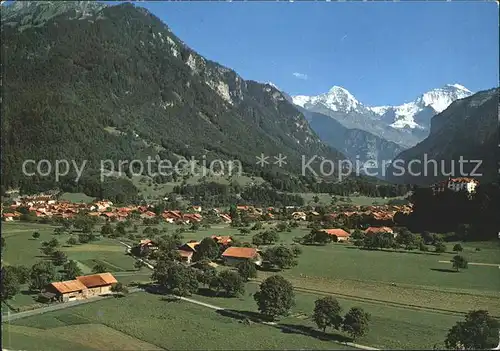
point(22, 249)
point(143, 321)
point(76, 197)
point(391, 327)
point(413, 298)
point(326, 199)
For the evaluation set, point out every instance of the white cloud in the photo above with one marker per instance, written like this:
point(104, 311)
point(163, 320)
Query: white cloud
point(300, 75)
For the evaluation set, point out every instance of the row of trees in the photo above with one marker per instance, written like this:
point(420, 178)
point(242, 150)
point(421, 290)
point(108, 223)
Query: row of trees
point(276, 297)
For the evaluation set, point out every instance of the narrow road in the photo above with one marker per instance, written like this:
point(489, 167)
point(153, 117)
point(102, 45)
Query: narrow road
point(19, 315)
point(6, 317)
point(274, 324)
point(477, 264)
point(147, 264)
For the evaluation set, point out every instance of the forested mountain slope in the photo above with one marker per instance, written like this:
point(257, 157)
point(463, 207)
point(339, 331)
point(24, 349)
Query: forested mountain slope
point(72, 73)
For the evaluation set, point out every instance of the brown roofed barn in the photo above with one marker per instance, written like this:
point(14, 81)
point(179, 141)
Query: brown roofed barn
point(82, 287)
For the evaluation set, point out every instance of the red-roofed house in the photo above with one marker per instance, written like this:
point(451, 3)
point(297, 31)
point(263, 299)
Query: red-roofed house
point(234, 255)
point(338, 234)
point(222, 240)
point(8, 217)
point(192, 217)
point(148, 214)
point(225, 217)
point(377, 230)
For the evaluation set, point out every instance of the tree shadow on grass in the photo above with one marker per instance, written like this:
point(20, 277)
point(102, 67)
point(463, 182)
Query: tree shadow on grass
point(170, 298)
point(310, 331)
point(268, 269)
point(414, 252)
point(206, 292)
point(247, 316)
point(151, 288)
point(444, 270)
point(241, 315)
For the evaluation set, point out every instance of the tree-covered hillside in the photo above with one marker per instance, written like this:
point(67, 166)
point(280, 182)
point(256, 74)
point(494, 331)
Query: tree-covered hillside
point(71, 76)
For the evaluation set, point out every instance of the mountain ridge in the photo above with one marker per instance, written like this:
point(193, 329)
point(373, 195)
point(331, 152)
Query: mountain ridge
point(411, 115)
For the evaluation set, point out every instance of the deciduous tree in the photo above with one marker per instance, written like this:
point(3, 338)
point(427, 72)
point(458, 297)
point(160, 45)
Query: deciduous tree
point(10, 283)
point(206, 249)
point(71, 270)
point(275, 297)
point(99, 268)
point(41, 274)
point(230, 282)
point(479, 331)
point(327, 313)
point(281, 257)
point(459, 262)
point(356, 322)
point(247, 269)
point(59, 258)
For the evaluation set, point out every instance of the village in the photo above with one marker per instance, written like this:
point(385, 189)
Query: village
point(374, 220)
point(361, 254)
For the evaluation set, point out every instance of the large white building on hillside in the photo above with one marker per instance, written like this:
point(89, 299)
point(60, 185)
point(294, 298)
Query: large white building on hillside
point(457, 184)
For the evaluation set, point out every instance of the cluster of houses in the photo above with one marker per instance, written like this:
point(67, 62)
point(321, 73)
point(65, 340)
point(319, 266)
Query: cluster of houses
point(80, 288)
point(231, 255)
point(48, 206)
point(368, 213)
point(43, 206)
point(51, 208)
point(456, 184)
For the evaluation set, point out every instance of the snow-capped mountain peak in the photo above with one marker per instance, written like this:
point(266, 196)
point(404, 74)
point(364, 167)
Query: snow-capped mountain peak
point(414, 114)
point(336, 99)
point(430, 103)
point(458, 86)
point(439, 99)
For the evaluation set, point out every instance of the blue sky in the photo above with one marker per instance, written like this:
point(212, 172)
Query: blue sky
point(383, 53)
